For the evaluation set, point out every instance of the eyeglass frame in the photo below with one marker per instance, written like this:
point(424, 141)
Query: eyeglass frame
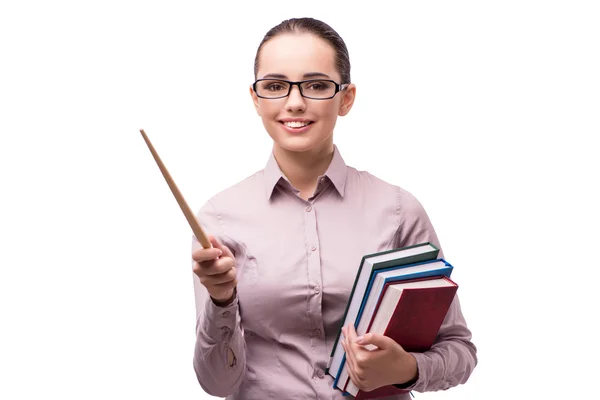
point(338, 88)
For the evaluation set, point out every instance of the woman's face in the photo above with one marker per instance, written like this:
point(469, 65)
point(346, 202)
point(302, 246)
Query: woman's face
point(295, 123)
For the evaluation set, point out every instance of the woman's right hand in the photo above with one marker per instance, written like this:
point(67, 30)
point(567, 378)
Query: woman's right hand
point(215, 267)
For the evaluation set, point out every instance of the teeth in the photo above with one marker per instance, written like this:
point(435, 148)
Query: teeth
point(295, 124)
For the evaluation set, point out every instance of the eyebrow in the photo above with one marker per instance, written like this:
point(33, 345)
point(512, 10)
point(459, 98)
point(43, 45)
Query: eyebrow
point(305, 76)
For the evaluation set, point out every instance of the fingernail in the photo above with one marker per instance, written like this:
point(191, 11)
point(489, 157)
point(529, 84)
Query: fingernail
point(219, 252)
point(359, 339)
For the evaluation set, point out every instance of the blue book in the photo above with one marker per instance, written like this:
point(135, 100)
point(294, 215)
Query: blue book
point(438, 267)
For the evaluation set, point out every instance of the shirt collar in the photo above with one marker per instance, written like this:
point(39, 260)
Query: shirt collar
point(336, 172)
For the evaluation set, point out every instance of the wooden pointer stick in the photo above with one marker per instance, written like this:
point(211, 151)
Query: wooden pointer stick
point(189, 215)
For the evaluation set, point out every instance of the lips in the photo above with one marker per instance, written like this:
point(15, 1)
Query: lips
point(296, 126)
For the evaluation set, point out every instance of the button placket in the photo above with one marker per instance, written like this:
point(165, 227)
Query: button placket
point(314, 285)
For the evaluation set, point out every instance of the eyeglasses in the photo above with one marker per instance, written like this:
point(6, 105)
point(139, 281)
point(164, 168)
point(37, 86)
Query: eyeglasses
point(317, 89)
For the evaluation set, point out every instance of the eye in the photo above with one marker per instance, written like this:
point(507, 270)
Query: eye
point(319, 86)
point(275, 86)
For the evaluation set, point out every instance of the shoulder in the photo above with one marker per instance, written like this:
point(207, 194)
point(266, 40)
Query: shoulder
point(223, 212)
point(413, 223)
point(240, 194)
point(368, 183)
point(234, 202)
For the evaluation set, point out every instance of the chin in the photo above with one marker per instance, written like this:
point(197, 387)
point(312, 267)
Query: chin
point(295, 145)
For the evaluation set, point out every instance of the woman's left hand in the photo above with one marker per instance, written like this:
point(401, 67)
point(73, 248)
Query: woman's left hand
point(389, 364)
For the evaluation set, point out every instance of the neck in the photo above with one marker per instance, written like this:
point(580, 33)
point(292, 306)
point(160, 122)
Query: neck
point(304, 168)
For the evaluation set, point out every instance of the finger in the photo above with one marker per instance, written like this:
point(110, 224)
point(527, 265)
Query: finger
point(347, 332)
point(208, 269)
point(356, 341)
point(213, 267)
point(354, 378)
point(220, 266)
point(350, 352)
point(350, 367)
point(218, 245)
point(220, 279)
point(352, 331)
point(382, 342)
point(202, 255)
point(227, 285)
point(352, 337)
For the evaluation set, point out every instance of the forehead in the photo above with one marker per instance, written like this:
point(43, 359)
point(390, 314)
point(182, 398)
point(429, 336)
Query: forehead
point(294, 55)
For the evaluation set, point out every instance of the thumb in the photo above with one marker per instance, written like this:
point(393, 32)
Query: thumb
point(381, 341)
point(216, 243)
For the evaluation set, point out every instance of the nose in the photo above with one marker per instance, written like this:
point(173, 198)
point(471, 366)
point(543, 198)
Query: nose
point(295, 101)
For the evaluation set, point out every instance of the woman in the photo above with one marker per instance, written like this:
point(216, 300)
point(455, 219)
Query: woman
point(271, 293)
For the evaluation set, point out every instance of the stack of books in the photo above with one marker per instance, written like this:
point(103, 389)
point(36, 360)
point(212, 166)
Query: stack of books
point(402, 293)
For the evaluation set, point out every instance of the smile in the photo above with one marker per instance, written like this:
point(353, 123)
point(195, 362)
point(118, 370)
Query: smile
point(296, 124)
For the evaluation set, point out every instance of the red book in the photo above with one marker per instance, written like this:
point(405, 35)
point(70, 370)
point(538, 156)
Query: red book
point(411, 313)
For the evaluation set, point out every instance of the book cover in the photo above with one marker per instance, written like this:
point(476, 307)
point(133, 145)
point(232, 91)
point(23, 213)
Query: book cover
point(369, 263)
point(414, 322)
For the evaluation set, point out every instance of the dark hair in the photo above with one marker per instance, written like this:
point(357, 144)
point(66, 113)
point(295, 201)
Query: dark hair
point(319, 29)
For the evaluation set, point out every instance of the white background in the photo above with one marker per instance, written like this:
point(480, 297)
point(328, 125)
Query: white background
point(487, 111)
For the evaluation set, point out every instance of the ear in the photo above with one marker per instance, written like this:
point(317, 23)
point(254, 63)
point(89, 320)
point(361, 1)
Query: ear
point(347, 100)
point(254, 99)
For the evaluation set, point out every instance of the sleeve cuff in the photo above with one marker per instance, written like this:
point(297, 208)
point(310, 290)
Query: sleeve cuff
point(407, 385)
point(220, 322)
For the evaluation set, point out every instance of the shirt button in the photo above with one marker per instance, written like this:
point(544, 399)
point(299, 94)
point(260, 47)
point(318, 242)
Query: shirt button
point(308, 208)
point(226, 314)
point(317, 290)
point(320, 373)
point(316, 333)
point(225, 331)
point(313, 247)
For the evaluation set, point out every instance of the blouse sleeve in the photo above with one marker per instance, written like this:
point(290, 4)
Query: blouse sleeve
point(220, 349)
point(452, 358)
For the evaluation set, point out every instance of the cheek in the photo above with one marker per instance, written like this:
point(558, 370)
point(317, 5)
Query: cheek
point(329, 113)
point(269, 115)
point(268, 110)
point(330, 108)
